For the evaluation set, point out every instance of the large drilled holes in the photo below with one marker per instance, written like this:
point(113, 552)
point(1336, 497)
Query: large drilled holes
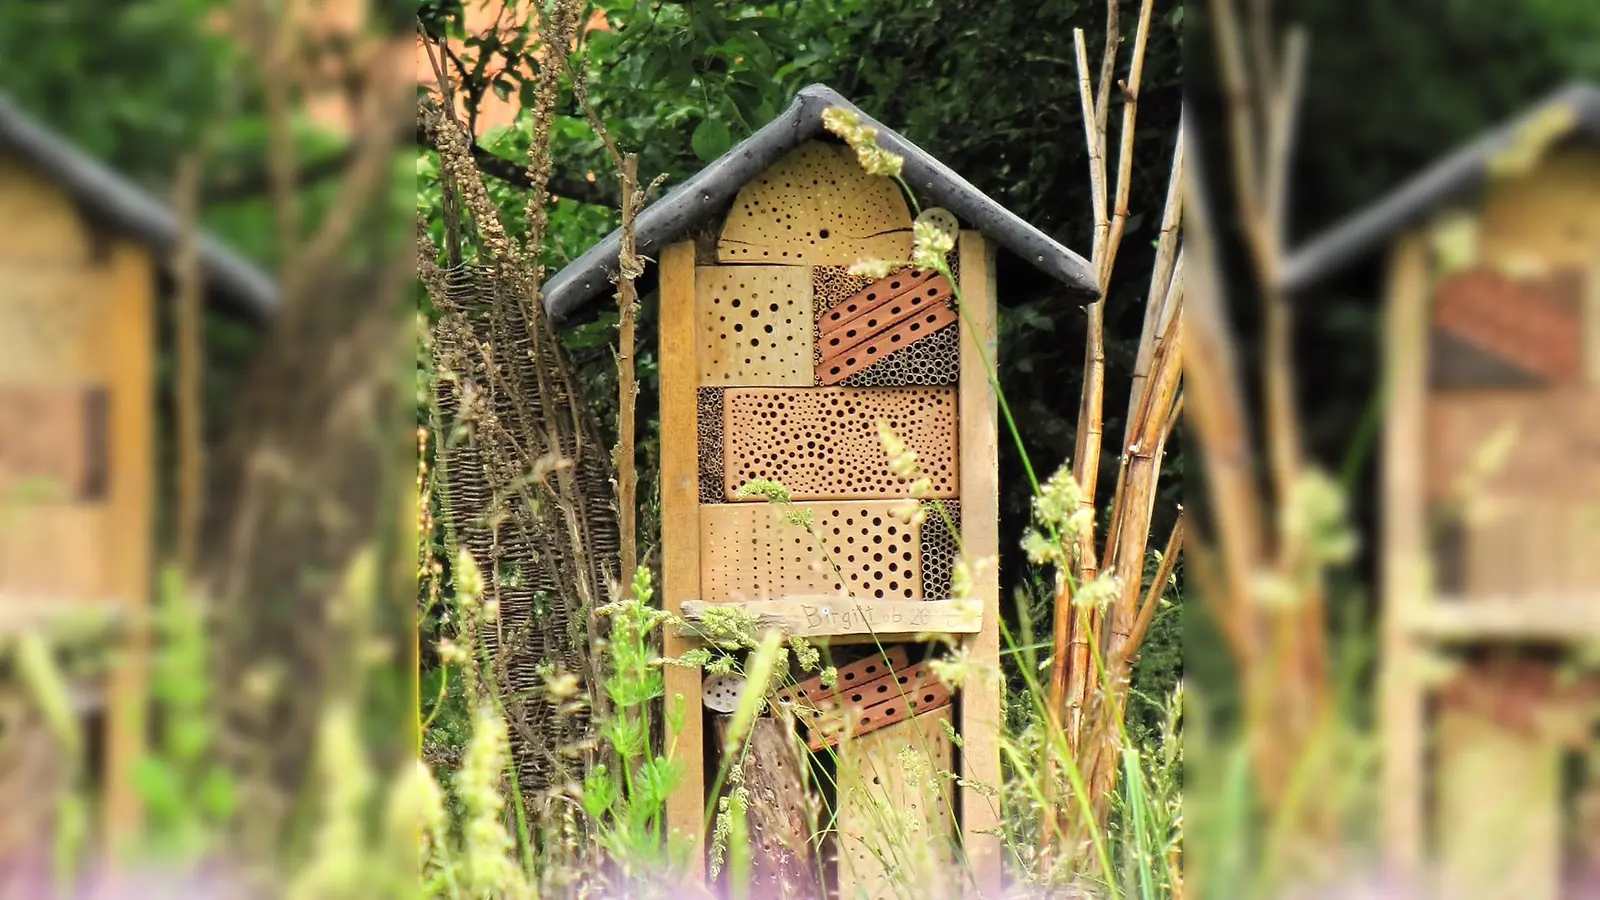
point(824, 442)
point(753, 325)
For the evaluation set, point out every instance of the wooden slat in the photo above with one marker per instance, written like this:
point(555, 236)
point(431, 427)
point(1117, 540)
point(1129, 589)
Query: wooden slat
point(979, 700)
point(888, 820)
point(834, 616)
point(129, 545)
point(754, 325)
point(1403, 561)
point(1571, 618)
point(680, 547)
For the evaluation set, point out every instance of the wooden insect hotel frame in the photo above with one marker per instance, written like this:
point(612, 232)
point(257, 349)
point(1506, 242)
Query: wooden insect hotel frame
point(778, 365)
point(82, 252)
point(1491, 504)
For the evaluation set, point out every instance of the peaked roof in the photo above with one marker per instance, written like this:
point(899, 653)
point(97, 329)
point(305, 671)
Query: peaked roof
point(700, 197)
point(1448, 179)
point(131, 209)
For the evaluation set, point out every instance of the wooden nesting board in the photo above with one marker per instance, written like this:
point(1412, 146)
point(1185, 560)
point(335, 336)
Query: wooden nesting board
point(754, 325)
point(753, 552)
point(894, 819)
point(1499, 814)
point(1556, 448)
point(823, 443)
point(816, 206)
point(52, 443)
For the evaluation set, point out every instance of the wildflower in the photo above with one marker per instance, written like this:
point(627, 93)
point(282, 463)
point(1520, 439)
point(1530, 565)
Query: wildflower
point(1314, 521)
point(807, 656)
point(469, 579)
point(1058, 499)
point(875, 268)
point(902, 459)
point(829, 677)
point(864, 140)
point(562, 686)
point(929, 245)
point(1098, 592)
point(452, 653)
point(954, 669)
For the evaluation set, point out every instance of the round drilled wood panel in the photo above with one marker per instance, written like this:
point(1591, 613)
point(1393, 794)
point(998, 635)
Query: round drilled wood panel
point(822, 443)
point(816, 207)
point(754, 325)
point(752, 552)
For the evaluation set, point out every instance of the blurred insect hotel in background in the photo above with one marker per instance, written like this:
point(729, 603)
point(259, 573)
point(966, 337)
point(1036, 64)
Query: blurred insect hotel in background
point(86, 270)
point(857, 401)
point(1490, 502)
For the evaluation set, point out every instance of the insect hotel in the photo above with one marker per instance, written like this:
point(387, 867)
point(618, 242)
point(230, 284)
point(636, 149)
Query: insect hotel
point(1491, 502)
point(778, 365)
point(84, 257)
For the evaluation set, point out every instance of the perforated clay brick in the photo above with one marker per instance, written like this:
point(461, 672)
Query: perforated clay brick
point(752, 552)
point(823, 443)
point(753, 325)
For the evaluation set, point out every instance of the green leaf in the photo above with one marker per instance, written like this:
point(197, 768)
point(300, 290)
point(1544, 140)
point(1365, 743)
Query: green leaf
point(711, 139)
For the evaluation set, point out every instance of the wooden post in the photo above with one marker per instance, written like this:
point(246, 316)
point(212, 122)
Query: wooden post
point(131, 522)
point(980, 700)
point(680, 539)
point(1405, 555)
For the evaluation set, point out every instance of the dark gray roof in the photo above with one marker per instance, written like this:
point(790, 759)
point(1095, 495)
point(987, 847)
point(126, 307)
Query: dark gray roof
point(697, 199)
point(131, 209)
point(1449, 179)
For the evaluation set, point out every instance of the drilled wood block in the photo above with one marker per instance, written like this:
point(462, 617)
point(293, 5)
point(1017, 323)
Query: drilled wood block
point(52, 444)
point(816, 206)
point(1554, 450)
point(753, 325)
point(823, 443)
point(895, 819)
point(50, 324)
point(1532, 548)
point(55, 551)
point(1533, 324)
point(752, 552)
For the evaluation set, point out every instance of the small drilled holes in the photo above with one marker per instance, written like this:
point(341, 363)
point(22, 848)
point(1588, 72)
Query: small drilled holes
point(816, 205)
point(750, 552)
